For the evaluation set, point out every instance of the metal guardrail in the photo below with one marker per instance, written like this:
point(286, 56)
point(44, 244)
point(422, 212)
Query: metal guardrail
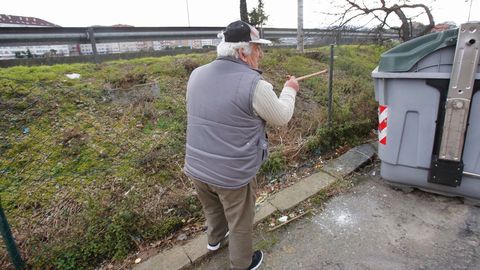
point(16, 36)
point(28, 36)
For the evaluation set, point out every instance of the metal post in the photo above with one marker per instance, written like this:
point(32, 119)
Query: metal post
point(330, 86)
point(10, 242)
point(411, 28)
point(91, 37)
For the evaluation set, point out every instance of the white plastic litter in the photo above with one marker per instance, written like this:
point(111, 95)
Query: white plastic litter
point(283, 218)
point(73, 75)
point(182, 237)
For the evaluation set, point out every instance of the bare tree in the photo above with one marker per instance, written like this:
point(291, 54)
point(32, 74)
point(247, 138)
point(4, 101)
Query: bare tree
point(387, 15)
point(243, 11)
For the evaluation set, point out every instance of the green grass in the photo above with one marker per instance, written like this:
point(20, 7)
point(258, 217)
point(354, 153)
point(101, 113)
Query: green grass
point(92, 167)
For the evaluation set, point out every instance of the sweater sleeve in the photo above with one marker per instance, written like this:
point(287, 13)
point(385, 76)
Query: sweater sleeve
point(275, 110)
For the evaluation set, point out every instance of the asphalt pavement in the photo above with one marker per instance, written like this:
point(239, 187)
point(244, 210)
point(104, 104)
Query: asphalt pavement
point(374, 226)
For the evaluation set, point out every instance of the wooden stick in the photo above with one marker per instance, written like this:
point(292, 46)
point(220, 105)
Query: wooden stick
point(311, 75)
point(290, 220)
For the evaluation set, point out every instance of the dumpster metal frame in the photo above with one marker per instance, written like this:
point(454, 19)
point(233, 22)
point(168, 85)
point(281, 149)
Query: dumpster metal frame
point(447, 165)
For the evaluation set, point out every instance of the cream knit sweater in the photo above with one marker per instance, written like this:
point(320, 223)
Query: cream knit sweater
point(275, 110)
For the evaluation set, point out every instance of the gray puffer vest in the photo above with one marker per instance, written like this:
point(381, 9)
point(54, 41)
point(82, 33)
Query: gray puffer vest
point(226, 141)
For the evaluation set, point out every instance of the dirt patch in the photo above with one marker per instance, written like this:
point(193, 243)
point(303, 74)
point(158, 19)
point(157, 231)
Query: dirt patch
point(129, 80)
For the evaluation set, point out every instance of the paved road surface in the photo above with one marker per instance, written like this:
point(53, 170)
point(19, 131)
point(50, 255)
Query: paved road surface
point(376, 227)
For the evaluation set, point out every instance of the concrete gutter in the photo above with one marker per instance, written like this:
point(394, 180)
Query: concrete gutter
point(183, 256)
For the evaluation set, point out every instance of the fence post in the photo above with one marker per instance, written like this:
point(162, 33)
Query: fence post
point(91, 37)
point(10, 242)
point(330, 86)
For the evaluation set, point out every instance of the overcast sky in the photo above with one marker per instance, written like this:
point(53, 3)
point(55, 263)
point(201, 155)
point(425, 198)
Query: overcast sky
point(282, 13)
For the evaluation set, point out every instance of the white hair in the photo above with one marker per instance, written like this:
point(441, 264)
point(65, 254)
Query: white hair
point(232, 48)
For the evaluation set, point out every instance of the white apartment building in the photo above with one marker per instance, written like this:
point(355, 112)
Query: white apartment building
point(37, 50)
point(194, 44)
point(121, 47)
point(11, 52)
point(8, 52)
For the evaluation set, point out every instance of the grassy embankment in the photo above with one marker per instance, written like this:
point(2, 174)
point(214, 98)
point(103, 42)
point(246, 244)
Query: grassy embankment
point(90, 168)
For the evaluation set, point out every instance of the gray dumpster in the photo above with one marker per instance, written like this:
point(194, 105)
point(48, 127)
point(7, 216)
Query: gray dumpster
point(429, 112)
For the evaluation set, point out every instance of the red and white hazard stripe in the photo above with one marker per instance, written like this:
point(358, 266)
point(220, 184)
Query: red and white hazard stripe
point(382, 124)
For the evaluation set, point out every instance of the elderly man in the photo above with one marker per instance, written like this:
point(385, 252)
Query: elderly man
point(228, 105)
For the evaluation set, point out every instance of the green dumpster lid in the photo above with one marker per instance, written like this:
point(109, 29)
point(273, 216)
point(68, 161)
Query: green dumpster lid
point(404, 56)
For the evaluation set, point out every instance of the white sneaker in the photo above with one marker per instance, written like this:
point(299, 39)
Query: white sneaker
point(216, 246)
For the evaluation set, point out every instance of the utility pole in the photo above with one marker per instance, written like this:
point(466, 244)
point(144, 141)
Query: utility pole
point(188, 14)
point(300, 27)
point(188, 18)
point(469, 10)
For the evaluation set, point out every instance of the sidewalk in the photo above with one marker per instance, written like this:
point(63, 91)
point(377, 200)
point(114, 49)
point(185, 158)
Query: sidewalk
point(182, 256)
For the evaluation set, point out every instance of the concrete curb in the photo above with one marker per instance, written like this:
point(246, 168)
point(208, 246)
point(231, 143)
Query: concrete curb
point(182, 256)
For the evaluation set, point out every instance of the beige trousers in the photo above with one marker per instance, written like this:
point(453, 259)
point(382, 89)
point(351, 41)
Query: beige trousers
point(230, 210)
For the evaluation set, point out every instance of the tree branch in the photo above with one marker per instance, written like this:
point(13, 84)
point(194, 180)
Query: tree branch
point(354, 9)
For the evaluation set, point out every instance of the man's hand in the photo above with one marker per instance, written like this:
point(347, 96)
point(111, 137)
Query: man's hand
point(293, 83)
